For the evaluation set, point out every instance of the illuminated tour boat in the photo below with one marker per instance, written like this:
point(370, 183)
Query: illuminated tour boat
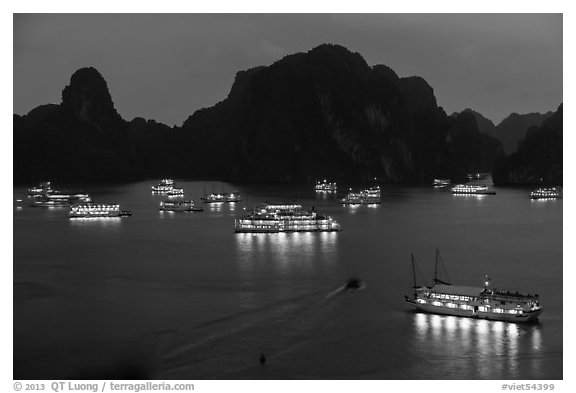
point(92, 210)
point(472, 189)
point(175, 192)
point(364, 197)
point(324, 186)
point(273, 218)
point(213, 198)
point(477, 176)
point(546, 193)
point(474, 302)
point(164, 186)
point(441, 182)
point(41, 189)
point(221, 197)
point(233, 197)
point(61, 199)
point(179, 206)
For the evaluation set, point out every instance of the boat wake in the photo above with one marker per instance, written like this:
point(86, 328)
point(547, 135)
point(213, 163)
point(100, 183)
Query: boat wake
point(350, 286)
point(228, 347)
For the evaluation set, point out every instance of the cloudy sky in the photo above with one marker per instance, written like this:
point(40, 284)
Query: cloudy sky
point(166, 66)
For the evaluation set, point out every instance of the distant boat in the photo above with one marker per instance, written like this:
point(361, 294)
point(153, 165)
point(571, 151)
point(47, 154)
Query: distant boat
point(175, 192)
point(325, 186)
point(473, 302)
point(472, 189)
point(477, 176)
point(179, 206)
point(213, 198)
point(441, 182)
point(364, 197)
point(164, 186)
point(41, 189)
point(61, 199)
point(273, 218)
point(546, 193)
point(91, 210)
point(231, 197)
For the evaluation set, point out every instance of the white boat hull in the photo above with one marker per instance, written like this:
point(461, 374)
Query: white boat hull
point(516, 318)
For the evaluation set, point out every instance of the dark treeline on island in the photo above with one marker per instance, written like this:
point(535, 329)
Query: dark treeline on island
point(321, 114)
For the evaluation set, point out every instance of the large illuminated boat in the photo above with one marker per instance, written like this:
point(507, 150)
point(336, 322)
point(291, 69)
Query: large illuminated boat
point(179, 206)
point(60, 199)
point(164, 186)
point(546, 193)
point(474, 302)
point(324, 186)
point(472, 189)
point(284, 218)
point(364, 197)
point(92, 210)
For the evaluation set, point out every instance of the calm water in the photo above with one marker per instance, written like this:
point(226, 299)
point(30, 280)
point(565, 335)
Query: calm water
point(180, 295)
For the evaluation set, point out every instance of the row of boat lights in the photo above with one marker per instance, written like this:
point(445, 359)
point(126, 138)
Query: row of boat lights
point(371, 196)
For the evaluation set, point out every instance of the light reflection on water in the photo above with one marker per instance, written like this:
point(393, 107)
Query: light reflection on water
point(285, 251)
point(475, 344)
point(542, 201)
point(184, 269)
point(216, 206)
point(102, 222)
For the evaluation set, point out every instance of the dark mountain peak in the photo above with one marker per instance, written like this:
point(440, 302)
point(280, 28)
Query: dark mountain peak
point(41, 113)
point(528, 118)
point(87, 98)
point(383, 71)
point(465, 116)
point(538, 159)
point(329, 58)
point(418, 93)
point(324, 112)
point(241, 82)
point(485, 125)
point(513, 128)
point(337, 53)
point(554, 120)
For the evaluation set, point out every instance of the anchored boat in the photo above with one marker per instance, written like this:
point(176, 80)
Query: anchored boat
point(441, 182)
point(60, 199)
point(164, 186)
point(472, 189)
point(272, 218)
point(43, 188)
point(325, 186)
point(179, 206)
point(364, 197)
point(474, 302)
point(92, 210)
point(546, 193)
point(175, 192)
point(221, 197)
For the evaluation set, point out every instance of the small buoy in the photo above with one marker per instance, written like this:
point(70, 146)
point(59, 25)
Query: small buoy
point(262, 359)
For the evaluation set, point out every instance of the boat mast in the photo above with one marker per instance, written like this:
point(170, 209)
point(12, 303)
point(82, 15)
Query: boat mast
point(436, 279)
point(436, 268)
point(413, 272)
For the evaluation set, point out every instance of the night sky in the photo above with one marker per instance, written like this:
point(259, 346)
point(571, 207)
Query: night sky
point(166, 66)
